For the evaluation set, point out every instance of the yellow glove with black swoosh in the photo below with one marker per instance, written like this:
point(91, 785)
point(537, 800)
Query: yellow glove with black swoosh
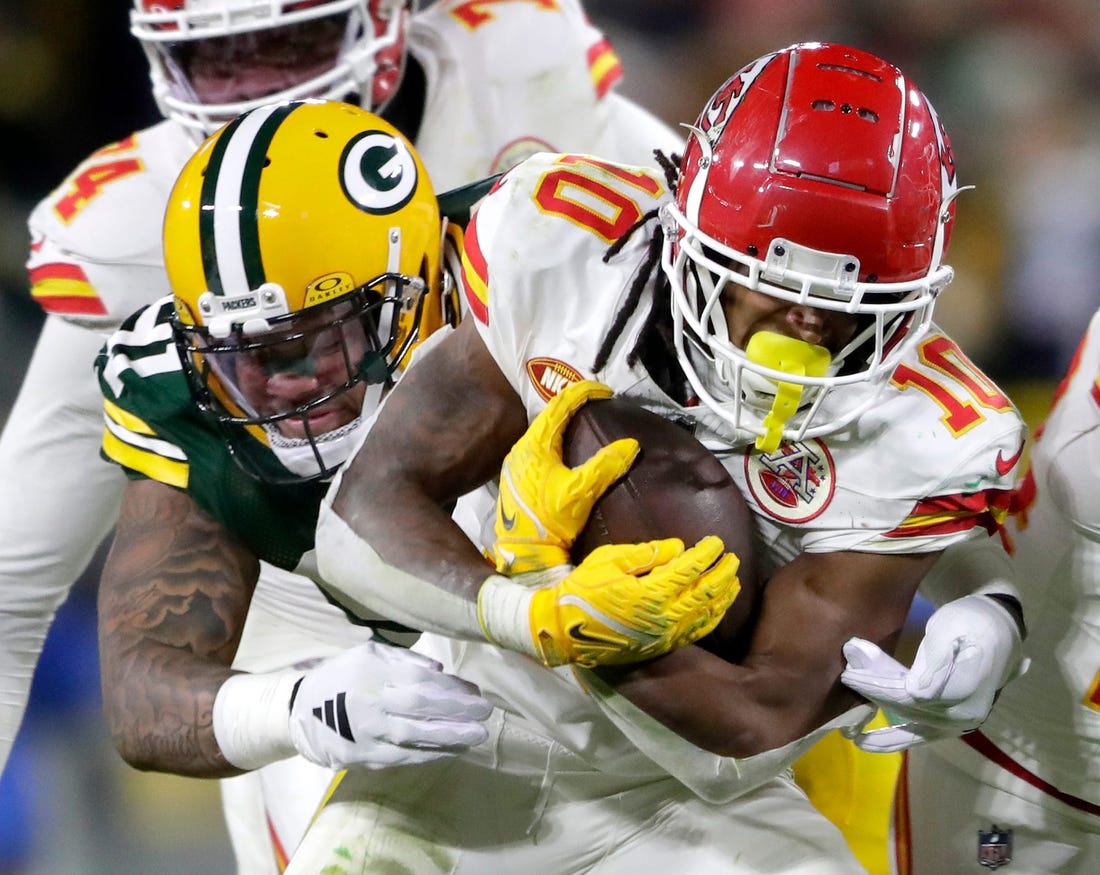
point(543, 504)
point(622, 604)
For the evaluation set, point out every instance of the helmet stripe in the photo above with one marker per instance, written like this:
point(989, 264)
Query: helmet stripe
point(229, 236)
point(206, 209)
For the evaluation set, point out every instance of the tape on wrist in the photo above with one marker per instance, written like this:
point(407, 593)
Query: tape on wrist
point(252, 718)
point(504, 612)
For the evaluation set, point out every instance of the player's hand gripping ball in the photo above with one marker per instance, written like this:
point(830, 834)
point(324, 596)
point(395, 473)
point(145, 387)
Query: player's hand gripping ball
point(613, 605)
point(676, 488)
point(543, 503)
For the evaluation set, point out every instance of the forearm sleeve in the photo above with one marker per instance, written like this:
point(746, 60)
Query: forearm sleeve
point(363, 583)
point(713, 778)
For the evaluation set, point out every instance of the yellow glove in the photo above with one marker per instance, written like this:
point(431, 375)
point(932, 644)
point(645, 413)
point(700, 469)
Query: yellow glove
point(623, 603)
point(543, 504)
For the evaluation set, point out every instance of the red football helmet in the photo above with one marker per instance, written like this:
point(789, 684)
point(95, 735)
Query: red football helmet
point(819, 175)
point(211, 60)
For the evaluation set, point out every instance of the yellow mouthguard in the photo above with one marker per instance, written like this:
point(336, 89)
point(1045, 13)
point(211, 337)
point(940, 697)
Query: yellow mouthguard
point(794, 357)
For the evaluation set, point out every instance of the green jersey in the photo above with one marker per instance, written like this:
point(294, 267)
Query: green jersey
point(154, 429)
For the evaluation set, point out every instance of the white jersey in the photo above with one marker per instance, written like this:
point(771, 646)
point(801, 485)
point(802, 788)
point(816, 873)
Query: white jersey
point(1048, 720)
point(1024, 789)
point(930, 465)
point(504, 80)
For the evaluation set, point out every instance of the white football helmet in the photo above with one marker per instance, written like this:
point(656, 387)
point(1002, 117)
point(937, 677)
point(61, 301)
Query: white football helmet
point(328, 49)
point(818, 175)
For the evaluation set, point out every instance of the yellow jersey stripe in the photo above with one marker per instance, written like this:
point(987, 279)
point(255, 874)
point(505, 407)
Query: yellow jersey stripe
point(169, 471)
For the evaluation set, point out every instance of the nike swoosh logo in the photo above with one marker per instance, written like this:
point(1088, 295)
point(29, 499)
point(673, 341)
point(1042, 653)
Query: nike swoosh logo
point(577, 631)
point(1004, 465)
point(578, 635)
point(507, 488)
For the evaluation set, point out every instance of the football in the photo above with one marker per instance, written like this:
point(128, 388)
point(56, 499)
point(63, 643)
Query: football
point(675, 488)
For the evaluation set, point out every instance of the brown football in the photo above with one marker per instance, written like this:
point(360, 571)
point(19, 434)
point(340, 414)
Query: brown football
point(675, 488)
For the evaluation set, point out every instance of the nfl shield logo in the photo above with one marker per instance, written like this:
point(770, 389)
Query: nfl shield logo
point(995, 847)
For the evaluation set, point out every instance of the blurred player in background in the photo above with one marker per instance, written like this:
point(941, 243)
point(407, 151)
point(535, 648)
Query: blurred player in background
point(1023, 791)
point(776, 294)
point(466, 82)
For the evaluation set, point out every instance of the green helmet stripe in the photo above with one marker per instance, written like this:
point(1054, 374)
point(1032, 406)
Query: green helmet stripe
point(228, 220)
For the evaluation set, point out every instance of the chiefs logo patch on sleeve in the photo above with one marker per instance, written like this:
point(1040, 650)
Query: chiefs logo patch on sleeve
point(795, 483)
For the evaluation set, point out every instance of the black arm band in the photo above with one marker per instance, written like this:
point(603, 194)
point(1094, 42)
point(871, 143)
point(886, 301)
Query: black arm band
point(294, 693)
point(1011, 604)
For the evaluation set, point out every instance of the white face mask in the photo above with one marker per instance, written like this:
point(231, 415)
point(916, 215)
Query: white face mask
point(365, 57)
point(742, 386)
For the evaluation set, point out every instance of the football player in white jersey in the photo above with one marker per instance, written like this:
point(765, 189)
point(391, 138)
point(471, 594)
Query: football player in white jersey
point(1023, 791)
point(466, 81)
point(776, 294)
point(303, 243)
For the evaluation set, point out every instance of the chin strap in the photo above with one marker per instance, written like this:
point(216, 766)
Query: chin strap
point(795, 357)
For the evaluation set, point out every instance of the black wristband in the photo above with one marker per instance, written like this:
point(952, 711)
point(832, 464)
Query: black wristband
point(1011, 604)
point(294, 693)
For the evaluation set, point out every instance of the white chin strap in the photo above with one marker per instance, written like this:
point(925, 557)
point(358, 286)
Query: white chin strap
point(774, 401)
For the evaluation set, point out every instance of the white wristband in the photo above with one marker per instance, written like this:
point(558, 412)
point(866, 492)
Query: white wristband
point(252, 718)
point(504, 611)
point(504, 606)
point(970, 568)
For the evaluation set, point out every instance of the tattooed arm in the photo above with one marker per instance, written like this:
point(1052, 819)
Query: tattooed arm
point(172, 603)
point(173, 599)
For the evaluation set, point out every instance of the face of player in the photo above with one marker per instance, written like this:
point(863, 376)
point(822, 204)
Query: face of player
point(286, 374)
point(249, 66)
point(748, 312)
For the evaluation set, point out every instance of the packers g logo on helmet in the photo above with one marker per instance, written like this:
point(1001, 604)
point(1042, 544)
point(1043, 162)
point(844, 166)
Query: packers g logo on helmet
point(303, 242)
point(377, 173)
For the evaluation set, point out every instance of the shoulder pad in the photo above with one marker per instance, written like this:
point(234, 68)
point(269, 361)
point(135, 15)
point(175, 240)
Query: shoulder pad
point(138, 355)
point(96, 238)
point(509, 41)
point(109, 207)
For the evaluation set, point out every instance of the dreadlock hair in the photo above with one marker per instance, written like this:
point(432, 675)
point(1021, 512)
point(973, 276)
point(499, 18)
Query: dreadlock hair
point(654, 347)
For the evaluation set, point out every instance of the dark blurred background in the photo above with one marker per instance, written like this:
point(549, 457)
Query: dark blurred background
point(72, 79)
point(1016, 83)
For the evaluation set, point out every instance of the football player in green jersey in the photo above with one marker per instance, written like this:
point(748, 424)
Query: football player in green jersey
point(304, 245)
